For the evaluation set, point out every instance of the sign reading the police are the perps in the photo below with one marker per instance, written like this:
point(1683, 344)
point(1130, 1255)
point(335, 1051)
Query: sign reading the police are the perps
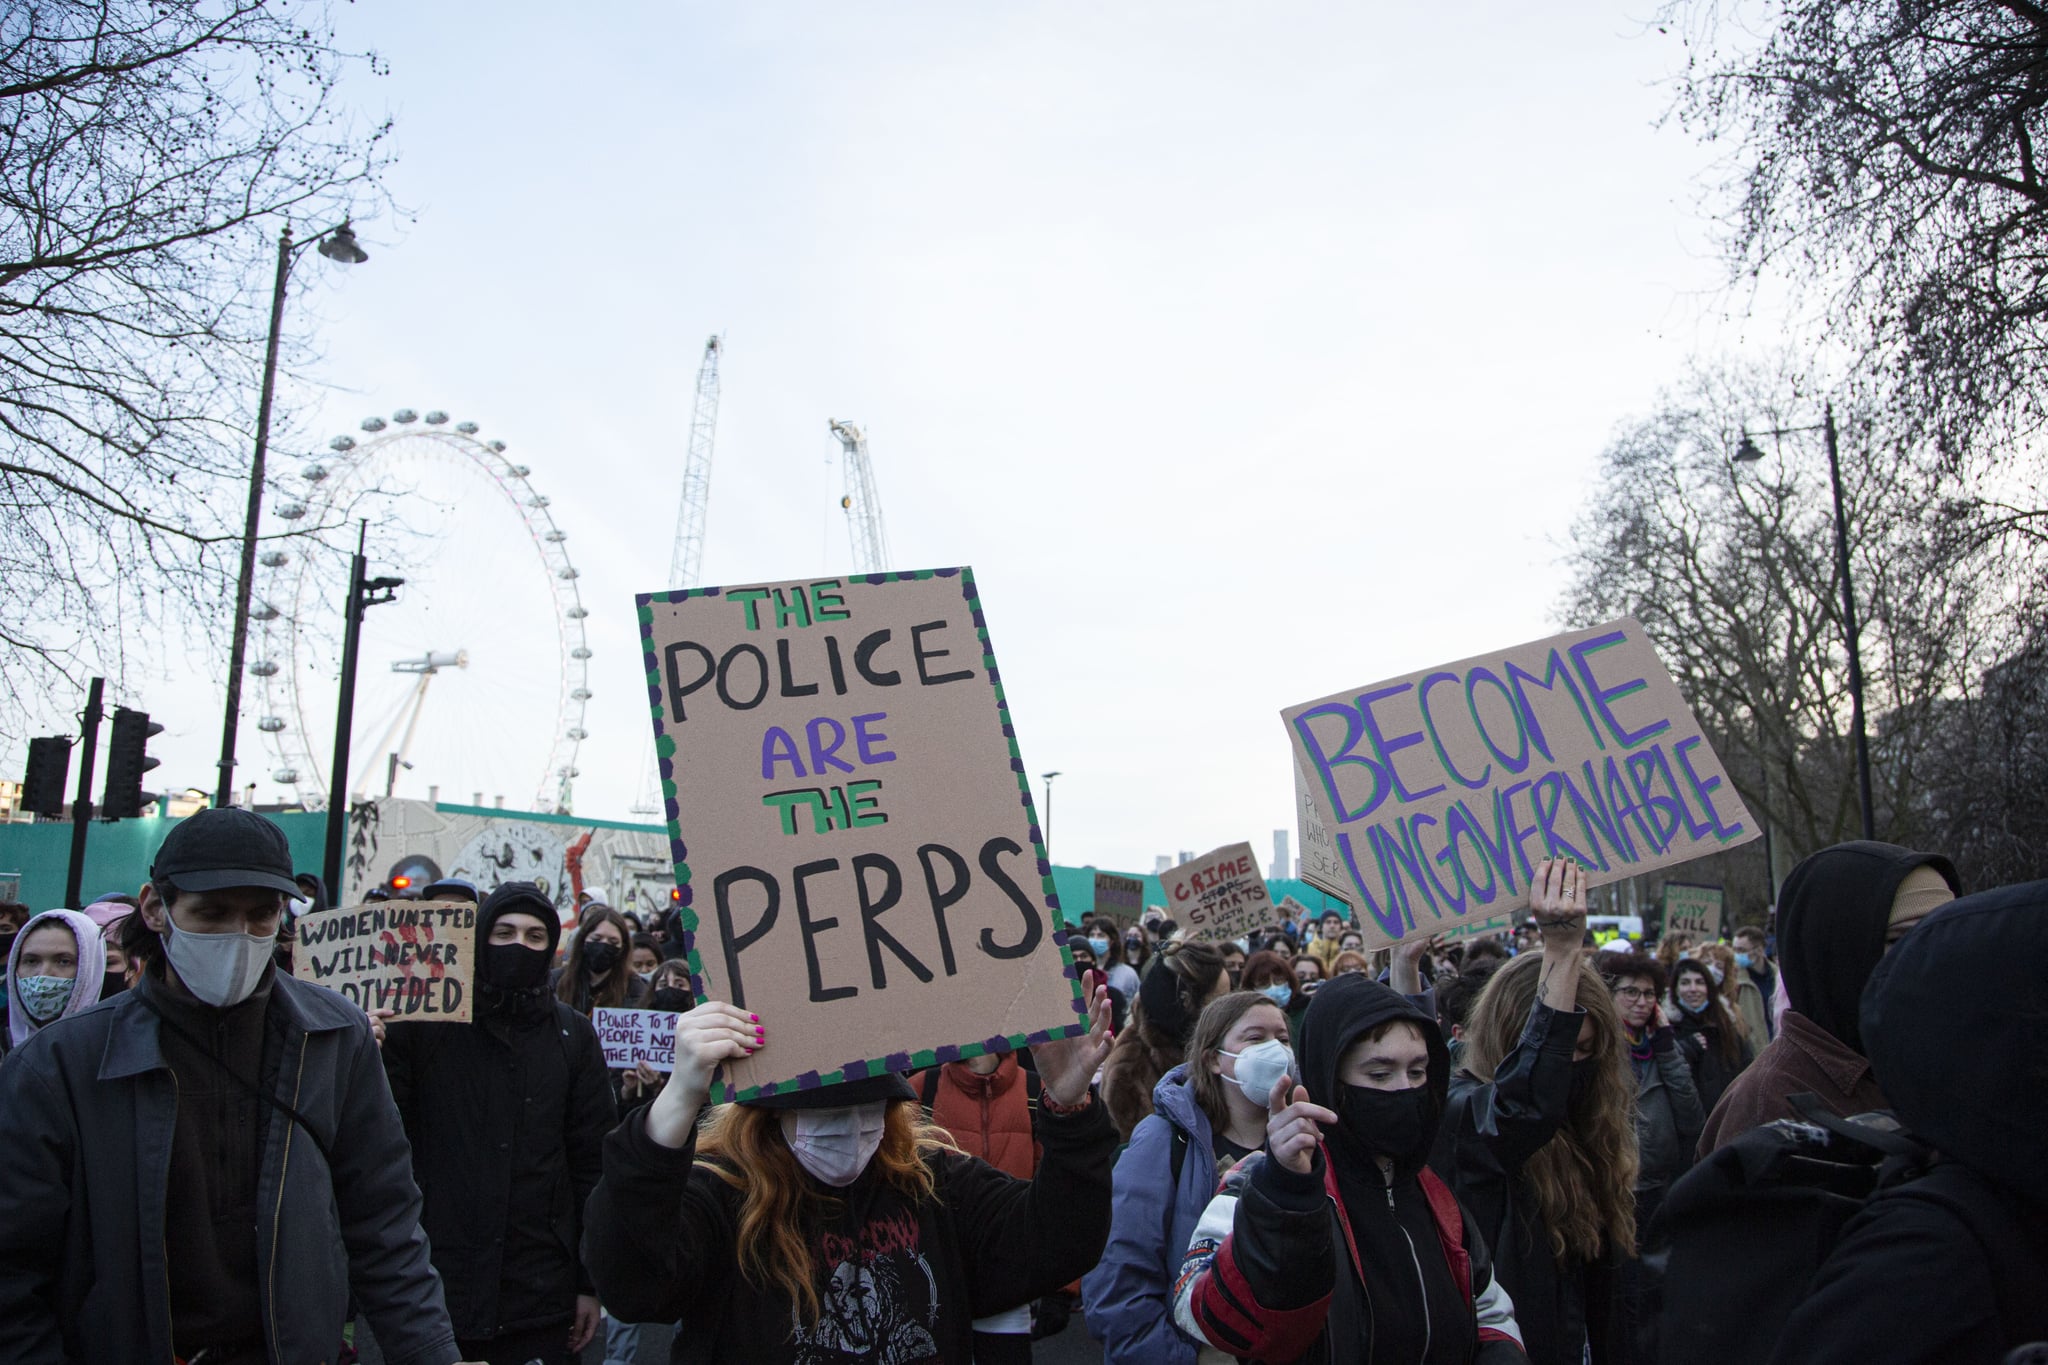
point(854, 839)
point(415, 957)
point(1442, 788)
point(1219, 896)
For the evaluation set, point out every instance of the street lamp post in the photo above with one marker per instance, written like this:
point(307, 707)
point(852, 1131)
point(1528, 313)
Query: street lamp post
point(362, 593)
point(337, 244)
point(1749, 453)
point(1048, 811)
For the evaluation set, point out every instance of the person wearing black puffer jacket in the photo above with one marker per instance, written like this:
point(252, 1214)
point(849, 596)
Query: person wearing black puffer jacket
point(507, 1116)
point(1337, 1245)
point(1949, 1266)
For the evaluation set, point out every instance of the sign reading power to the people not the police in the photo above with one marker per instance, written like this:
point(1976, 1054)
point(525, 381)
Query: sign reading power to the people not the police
point(1440, 789)
point(852, 827)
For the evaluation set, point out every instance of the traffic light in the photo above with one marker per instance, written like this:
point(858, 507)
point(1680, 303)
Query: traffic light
point(42, 787)
point(127, 760)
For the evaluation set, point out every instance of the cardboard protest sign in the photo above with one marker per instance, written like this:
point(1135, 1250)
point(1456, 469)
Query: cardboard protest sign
point(1220, 895)
point(1694, 910)
point(1440, 789)
point(416, 957)
point(630, 1037)
point(1319, 865)
point(1121, 898)
point(853, 833)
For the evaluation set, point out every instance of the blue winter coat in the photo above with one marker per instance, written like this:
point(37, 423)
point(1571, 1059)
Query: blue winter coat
point(1128, 1297)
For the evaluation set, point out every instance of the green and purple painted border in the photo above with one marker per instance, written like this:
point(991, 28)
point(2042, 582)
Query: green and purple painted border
point(665, 755)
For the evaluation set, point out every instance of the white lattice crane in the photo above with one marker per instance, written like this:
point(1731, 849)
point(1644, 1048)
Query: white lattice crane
point(686, 563)
point(862, 503)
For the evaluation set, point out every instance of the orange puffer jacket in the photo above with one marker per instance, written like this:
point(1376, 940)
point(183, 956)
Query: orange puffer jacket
point(988, 1116)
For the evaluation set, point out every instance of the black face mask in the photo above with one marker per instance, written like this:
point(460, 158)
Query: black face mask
point(513, 966)
point(114, 984)
point(1400, 1124)
point(7, 941)
point(671, 1000)
point(600, 957)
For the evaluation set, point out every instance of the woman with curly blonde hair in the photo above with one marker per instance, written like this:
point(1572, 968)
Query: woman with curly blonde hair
point(834, 1223)
point(1539, 1136)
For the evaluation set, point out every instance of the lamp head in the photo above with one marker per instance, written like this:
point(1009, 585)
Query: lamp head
point(340, 245)
point(1748, 452)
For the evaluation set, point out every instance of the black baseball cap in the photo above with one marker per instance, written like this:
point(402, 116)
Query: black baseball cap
point(887, 1086)
point(216, 850)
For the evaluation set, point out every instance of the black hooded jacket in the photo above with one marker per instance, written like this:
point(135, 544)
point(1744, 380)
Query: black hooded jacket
point(1950, 1267)
point(506, 1116)
point(1833, 912)
point(1345, 1264)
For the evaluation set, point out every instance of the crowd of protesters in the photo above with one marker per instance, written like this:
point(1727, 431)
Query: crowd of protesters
point(1519, 1146)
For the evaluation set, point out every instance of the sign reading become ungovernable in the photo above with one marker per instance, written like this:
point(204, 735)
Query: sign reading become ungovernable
point(1441, 788)
point(852, 828)
point(1220, 895)
point(415, 957)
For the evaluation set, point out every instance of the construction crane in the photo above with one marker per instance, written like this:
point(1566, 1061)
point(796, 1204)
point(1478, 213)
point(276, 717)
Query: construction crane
point(862, 504)
point(686, 563)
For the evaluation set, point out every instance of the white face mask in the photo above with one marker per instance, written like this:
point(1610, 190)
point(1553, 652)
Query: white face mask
point(1260, 1067)
point(835, 1145)
point(221, 969)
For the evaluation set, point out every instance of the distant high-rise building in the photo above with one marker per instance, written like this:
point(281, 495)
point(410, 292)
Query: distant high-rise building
point(1160, 863)
point(1185, 857)
point(1281, 862)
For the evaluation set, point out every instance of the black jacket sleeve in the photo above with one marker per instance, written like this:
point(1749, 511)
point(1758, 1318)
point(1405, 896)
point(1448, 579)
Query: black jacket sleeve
point(379, 1206)
point(658, 1237)
point(590, 1114)
point(1907, 1284)
point(1022, 1239)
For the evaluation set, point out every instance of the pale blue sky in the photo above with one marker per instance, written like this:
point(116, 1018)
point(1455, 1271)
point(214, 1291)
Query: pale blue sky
point(1247, 352)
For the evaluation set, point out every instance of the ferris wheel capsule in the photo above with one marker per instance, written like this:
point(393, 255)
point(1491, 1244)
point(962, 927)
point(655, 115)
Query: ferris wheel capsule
point(344, 444)
point(436, 418)
point(373, 425)
point(405, 416)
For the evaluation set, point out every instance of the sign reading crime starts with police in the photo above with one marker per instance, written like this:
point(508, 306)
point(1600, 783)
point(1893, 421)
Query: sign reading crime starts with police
point(1219, 895)
point(415, 957)
point(853, 830)
point(1442, 788)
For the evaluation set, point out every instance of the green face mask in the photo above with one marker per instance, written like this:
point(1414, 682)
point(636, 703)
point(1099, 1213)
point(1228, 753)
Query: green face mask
point(44, 997)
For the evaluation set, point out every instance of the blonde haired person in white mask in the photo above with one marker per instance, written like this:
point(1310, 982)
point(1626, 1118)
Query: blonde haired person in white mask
point(210, 1165)
point(834, 1223)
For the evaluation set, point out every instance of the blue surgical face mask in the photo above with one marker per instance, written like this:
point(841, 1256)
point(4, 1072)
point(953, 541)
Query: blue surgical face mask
point(1279, 993)
point(1742, 960)
point(1691, 1009)
point(1100, 945)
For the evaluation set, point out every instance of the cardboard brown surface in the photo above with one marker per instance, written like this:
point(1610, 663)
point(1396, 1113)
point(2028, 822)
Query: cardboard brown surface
point(416, 957)
point(1695, 910)
point(1319, 865)
point(1121, 898)
point(852, 829)
point(1220, 895)
point(1440, 788)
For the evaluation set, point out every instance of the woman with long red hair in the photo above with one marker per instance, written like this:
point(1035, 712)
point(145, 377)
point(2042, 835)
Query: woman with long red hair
point(835, 1223)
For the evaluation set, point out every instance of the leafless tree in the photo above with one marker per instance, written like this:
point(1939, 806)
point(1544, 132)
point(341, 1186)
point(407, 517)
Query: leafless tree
point(1885, 157)
point(1732, 571)
point(149, 152)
